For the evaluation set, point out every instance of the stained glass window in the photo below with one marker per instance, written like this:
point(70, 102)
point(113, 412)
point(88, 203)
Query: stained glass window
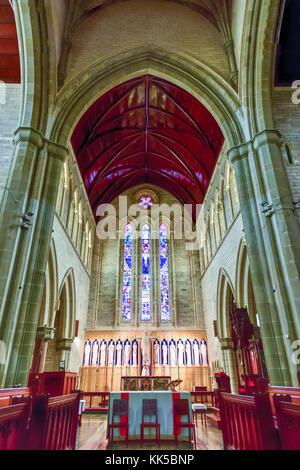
point(127, 274)
point(146, 202)
point(146, 290)
point(164, 274)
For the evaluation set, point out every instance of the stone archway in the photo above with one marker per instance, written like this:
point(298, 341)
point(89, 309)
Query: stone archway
point(48, 307)
point(62, 325)
point(225, 298)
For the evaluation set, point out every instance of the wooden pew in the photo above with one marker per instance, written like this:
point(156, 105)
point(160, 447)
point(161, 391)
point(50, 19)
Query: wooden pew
point(14, 422)
point(288, 419)
point(293, 392)
point(53, 422)
point(5, 401)
point(247, 422)
point(7, 395)
point(39, 423)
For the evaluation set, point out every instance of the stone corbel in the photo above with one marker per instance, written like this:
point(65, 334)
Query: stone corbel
point(64, 344)
point(57, 151)
point(226, 344)
point(29, 135)
point(45, 333)
point(38, 140)
point(239, 152)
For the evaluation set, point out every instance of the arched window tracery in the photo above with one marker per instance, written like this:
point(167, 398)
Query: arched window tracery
point(145, 273)
point(164, 273)
point(146, 279)
point(127, 274)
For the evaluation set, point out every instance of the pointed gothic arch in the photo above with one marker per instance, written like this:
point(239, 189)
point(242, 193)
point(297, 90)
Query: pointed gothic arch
point(244, 288)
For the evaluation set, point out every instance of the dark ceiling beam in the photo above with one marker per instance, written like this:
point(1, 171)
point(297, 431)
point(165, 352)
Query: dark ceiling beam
point(113, 147)
point(187, 114)
point(179, 158)
point(177, 142)
point(137, 83)
point(107, 170)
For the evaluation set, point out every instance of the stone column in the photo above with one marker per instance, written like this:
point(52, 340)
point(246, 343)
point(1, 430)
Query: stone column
point(44, 335)
point(64, 347)
point(192, 274)
point(173, 276)
point(137, 282)
point(26, 306)
point(229, 362)
point(17, 220)
point(229, 49)
point(119, 280)
point(272, 235)
point(156, 283)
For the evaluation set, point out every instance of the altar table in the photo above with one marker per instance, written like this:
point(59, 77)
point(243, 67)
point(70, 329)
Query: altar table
point(164, 410)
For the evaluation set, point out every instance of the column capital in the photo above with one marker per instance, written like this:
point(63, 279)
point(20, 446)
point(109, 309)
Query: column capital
point(29, 135)
point(38, 140)
point(57, 151)
point(64, 344)
point(239, 152)
point(226, 343)
point(267, 136)
point(45, 333)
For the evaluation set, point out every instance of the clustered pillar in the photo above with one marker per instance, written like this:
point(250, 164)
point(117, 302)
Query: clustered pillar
point(272, 234)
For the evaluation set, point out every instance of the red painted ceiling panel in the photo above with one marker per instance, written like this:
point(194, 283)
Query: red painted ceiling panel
point(147, 131)
point(9, 49)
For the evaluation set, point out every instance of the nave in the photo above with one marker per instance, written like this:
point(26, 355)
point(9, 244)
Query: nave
point(149, 224)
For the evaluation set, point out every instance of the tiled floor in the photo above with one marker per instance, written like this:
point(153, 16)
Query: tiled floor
point(92, 436)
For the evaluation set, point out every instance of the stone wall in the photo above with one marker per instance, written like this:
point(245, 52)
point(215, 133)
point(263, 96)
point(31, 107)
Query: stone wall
point(10, 102)
point(225, 260)
point(68, 259)
point(287, 118)
point(135, 23)
point(107, 275)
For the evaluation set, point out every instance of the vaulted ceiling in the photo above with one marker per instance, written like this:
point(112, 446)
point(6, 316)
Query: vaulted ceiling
point(9, 50)
point(147, 131)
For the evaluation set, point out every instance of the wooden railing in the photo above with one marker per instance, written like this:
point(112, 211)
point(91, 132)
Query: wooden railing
point(99, 400)
point(95, 400)
point(288, 421)
point(40, 423)
point(206, 398)
point(247, 422)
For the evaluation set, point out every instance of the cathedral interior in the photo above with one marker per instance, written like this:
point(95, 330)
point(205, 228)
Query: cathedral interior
point(150, 224)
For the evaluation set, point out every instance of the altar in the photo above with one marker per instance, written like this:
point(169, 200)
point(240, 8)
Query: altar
point(165, 415)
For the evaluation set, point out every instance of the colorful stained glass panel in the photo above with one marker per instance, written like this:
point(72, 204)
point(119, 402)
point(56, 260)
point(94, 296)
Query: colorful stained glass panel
point(164, 273)
point(127, 274)
point(146, 202)
point(146, 289)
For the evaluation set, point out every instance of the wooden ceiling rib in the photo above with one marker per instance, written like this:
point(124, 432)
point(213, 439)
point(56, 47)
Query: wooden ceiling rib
point(9, 49)
point(147, 130)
